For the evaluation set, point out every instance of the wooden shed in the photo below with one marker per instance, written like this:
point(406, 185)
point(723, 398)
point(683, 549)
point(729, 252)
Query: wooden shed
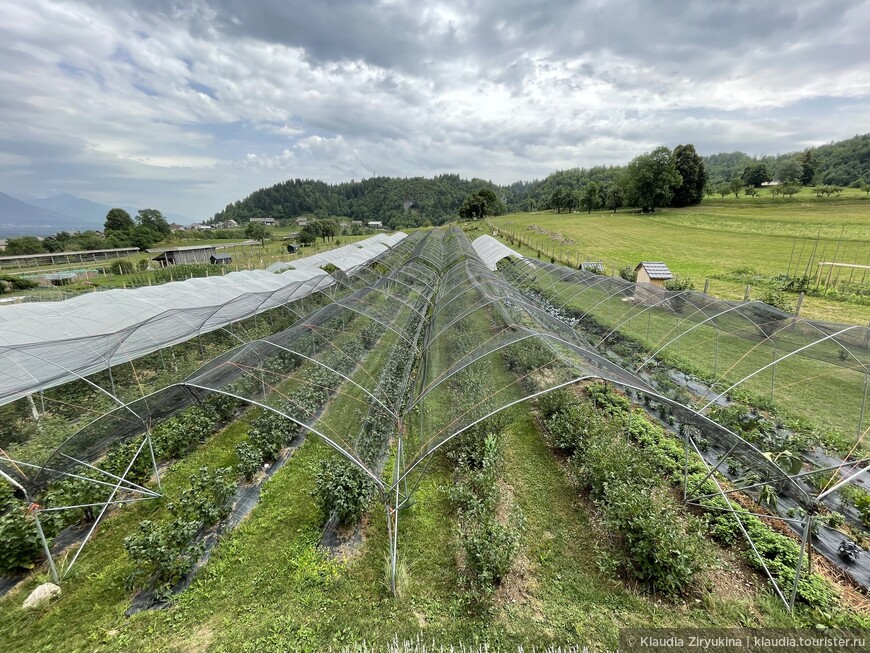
point(655, 273)
point(179, 255)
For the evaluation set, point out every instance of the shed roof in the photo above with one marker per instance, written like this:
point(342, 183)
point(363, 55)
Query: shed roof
point(655, 269)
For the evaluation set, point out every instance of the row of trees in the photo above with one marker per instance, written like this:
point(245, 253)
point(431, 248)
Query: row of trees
point(658, 178)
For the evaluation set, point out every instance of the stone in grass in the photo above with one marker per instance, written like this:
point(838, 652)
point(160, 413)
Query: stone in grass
point(41, 596)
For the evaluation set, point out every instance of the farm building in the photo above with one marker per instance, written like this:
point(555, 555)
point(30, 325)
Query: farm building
point(221, 259)
point(269, 222)
point(655, 273)
point(179, 255)
point(58, 258)
point(376, 225)
point(592, 266)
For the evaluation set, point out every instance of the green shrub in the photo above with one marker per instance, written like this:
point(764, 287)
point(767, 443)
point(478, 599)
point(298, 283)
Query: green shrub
point(250, 460)
point(207, 498)
point(10, 283)
point(122, 266)
point(658, 547)
point(341, 487)
point(862, 503)
point(628, 273)
point(490, 548)
point(19, 544)
point(163, 553)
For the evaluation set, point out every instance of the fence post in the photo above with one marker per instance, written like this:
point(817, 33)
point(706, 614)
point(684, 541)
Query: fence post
point(800, 301)
point(746, 294)
point(706, 286)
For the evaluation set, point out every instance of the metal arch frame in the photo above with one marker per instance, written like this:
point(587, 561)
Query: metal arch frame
point(341, 450)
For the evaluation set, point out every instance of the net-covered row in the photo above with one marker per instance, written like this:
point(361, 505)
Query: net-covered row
point(47, 344)
point(716, 350)
point(356, 350)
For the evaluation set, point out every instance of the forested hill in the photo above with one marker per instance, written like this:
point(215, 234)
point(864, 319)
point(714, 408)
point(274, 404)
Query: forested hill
point(416, 201)
point(839, 164)
point(395, 202)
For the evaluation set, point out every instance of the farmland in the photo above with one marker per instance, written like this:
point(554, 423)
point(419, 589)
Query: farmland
point(732, 242)
point(514, 520)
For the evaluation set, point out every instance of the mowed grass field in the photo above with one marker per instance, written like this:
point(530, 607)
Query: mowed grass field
point(731, 241)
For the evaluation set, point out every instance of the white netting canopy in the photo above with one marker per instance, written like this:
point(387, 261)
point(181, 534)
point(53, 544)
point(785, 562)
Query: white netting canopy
point(46, 344)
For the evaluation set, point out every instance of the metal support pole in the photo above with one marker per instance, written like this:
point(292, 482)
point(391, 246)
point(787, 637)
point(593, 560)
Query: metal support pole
point(773, 375)
point(800, 562)
point(863, 406)
point(716, 354)
point(45, 548)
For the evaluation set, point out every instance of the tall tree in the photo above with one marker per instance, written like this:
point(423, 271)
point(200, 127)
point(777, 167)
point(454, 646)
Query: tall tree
point(808, 167)
point(154, 220)
point(789, 169)
point(614, 197)
point(651, 179)
point(118, 220)
point(691, 168)
point(591, 198)
point(756, 175)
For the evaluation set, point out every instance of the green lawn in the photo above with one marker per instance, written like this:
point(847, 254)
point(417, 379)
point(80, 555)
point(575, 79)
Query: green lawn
point(730, 241)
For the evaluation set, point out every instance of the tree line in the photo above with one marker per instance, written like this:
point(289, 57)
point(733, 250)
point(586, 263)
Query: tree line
point(120, 229)
point(649, 181)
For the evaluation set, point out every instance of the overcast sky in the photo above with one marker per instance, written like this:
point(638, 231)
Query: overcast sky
point(185, 105)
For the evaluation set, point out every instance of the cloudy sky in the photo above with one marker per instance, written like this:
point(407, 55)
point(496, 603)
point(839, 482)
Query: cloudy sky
point(186, 105)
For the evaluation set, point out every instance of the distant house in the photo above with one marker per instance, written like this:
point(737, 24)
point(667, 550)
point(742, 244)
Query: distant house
point(655, 273)
point(201, 227)
point(375, 225)
point(177, 227)
point(592, 266)
point(182, 255)
point(220, 259)
point(301, 221)
point(2, 244)
point(269, 222)
point(359, 222)
point(231, 224)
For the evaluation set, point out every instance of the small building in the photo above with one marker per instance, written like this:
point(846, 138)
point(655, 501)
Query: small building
point(177, 227)
point(592, 266)
point(655, 273)
point(292, 249)
point(269, 222)
point(221, 259)
point(231, 224)
point(376, 224)
point(356, 222)
point(183, 255)
point(301, 222)
point(2, 244)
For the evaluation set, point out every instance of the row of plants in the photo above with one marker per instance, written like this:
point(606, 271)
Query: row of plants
point(340, 488)
point(666, 454)
point(171, 439)
point(649, 537)
point(165, 552)
point(490, 525)
point(760, 420)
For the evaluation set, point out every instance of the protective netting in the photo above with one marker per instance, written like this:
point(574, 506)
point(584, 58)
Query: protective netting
point(429, 341)
point(46, 344)
point(716, 350)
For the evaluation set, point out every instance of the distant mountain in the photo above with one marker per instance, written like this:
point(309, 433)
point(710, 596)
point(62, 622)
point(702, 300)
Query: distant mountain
point(91, 213)
point(67, 210)
point(19, 218)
